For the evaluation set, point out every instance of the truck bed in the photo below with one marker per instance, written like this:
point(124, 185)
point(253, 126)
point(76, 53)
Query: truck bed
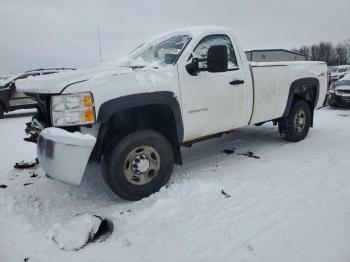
point(272, 82)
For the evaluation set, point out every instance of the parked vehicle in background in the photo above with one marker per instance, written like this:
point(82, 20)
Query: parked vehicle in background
point(180, 88)
point(339, 93)
point(3, 78)
point(339, 72)
point(11, 99)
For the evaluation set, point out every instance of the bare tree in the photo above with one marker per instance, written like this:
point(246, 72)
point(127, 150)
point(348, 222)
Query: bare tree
point(305, 50)
point(325, 51)
point(342, 53)
point(315, 52)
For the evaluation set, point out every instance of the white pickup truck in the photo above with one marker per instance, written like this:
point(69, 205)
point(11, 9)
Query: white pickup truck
point(177, 89)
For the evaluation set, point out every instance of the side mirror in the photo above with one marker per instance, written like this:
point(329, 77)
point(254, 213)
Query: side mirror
point(217, 60)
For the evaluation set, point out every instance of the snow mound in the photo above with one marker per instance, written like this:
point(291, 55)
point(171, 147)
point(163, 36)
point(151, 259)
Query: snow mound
point(76, 233)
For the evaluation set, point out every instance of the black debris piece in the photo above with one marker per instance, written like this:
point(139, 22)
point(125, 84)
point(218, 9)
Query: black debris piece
point(229, 151)
point(25, 165)
point(48, 176)
point(33, 175)
point(127, 211)
point(26, 259)
point(3, 186)
point(225, 194)
point(250, 154)
point(31, 139)
point(27, 184)
point(104, 231)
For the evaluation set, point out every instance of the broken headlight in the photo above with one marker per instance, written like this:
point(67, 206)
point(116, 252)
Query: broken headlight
point(72, 109)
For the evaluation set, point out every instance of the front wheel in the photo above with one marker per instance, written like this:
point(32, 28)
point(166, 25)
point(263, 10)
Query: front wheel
point(138, 165)
point(296, 125)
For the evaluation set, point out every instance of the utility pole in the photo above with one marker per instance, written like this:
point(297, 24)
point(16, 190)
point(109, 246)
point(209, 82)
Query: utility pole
point(99, 42)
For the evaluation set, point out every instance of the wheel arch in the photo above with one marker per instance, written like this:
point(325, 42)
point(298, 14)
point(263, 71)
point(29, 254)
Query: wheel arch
point(305, 89)
point(147, 110)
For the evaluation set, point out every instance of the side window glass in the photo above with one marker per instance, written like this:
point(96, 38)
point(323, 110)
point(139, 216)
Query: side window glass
point(202, 48)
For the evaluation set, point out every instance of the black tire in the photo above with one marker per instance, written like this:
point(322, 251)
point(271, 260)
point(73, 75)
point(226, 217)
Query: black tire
point(290, 128)
point(2, 111)
point(117, 159)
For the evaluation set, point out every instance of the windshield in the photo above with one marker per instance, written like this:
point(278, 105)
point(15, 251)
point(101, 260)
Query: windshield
point(161, 51)
point(333, 70)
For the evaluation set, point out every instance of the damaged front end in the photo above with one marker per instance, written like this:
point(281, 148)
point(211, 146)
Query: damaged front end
point(63, 152)
point(41, 119)
point(33, 129)
point(64, 155)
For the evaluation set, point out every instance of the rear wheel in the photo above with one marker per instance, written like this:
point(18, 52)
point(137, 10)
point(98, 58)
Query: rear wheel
point(296, 125)
point(138, 165)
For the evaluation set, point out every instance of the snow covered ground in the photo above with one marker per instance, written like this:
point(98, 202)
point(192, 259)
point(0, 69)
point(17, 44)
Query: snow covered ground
point(291, 204)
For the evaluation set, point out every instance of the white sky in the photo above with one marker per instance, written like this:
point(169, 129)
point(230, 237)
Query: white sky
point(56, 33)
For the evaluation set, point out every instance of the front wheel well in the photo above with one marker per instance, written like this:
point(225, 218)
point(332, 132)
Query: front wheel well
point(158, 117)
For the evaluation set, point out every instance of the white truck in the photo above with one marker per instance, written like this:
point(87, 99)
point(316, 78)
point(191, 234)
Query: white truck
point(188, 85)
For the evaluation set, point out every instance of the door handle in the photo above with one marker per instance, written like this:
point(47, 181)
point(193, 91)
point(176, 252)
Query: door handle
point(237, 82)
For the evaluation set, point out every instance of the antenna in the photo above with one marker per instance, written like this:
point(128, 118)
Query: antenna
point(99, 42)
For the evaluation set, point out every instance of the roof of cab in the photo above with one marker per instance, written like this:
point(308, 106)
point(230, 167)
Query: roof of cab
point(195, 31)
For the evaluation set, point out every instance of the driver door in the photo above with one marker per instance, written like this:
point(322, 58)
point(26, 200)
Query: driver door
point(213, 102)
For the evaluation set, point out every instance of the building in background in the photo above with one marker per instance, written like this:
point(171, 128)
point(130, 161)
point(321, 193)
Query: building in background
point(274, 55)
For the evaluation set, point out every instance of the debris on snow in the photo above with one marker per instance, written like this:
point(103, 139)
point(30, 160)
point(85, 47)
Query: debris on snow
point(25, 165)
point(127, 211)
point(48, 176)
point(229, 151)
point(33, 175)
point(26, 259)
point(104, 231)
point(79, 231)
point(225, 194)
point(250, 154)
point(27, 184)
point(3, 186)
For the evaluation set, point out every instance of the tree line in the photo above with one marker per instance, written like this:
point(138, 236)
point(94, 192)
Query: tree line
point(338, 54)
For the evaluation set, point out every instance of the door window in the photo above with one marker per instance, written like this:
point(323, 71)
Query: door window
point(201, 51)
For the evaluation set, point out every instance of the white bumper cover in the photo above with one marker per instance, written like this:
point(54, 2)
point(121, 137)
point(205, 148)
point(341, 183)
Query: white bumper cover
point(64, 155)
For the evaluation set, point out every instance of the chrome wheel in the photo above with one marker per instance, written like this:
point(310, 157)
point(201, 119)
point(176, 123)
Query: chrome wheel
point(299, 121)
point(141, 165)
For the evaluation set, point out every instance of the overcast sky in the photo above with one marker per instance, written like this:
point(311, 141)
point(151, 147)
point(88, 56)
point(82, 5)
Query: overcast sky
point(56, 33)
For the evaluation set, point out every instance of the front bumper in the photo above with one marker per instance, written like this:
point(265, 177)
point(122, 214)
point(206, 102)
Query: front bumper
point(64, 155)
point(340, 100)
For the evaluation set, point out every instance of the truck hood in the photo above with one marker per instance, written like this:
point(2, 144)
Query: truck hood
point(56, 83)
